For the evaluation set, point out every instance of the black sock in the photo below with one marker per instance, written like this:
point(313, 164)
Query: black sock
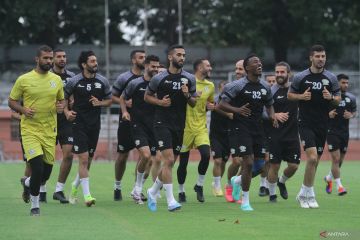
point(181, 171)
point(205, 158)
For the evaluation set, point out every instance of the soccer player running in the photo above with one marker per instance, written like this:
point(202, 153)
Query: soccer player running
point(220, 148)
point(338, 133)
point(91, 91)
point(316, 89)
point(170, 91)
point(142, 117)
point(43, 96)
point(196, 132)
point(125, 139)
point(284, 141)
point(65, 135)
point(246, 99)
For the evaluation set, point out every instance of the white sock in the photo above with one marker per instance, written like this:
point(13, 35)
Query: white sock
point(117, 185)
point(262, 181)
point(85, 186)
point(238, 180)
point(43, 188)
point(139, 179)
point(303, 190)
point(272, 188)
point(200, 180)
point(34, 201)
point(217, 182)
point(155, 188)
point(169, 193)
point(143, 180)
point(181, 188)
point(283, 178)
point(338, 183)
point(329, 177)
point(59, 187)
point(245, 198)
point(311, 192)
point(27, 182)
point(76, 182)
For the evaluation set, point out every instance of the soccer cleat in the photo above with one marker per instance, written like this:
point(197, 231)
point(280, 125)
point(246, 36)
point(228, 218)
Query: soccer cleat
point(199, 193)
point(73, 195)
point(42, 197)
point(35, 212)
point(236, 189)
point(246, 207)
point(283, 190)
point(89, 200)
point(228, 193)
point(174, 207)
point(60, 197)
point(117, 195)
point(137, 198)
point(151, 203)
point(143, 197)
point(273, 198)
point(303, 201)
point(312, 202)
point(263, 192)
point(341, 191)
point(182, 197)
point(26, 190)
point(328, 187)
point(217, 192)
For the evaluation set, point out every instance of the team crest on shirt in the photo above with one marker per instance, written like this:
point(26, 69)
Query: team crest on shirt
point(31, 152)
point(206, 89)
point(184, 81)
point(263, 91)
point(161, 143)
point(137, 142)
point(97, 85)
point(347, 99)
point(325, 82)
point(242, 149)
point(52, 84)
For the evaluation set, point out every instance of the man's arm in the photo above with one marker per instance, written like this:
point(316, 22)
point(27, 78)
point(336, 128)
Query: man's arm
point(16, 106)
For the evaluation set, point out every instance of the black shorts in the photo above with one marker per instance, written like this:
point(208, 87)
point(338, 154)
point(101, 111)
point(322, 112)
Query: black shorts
point(85, 139)
point(337, 141)
point(245, 141)
point(124, 136)
point(168, 138)
point(220, 147)
point(314, 136)
point(143, 136)
point(288, 151)
point(65, 135)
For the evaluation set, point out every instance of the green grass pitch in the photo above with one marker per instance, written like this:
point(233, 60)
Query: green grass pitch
point(214, 219)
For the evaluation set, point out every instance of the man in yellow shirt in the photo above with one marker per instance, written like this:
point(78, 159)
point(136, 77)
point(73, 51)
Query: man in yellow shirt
point(42, 94)
point(196, 133)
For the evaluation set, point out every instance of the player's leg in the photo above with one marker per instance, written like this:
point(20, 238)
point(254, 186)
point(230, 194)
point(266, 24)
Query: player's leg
point(156, 165)
point(181, 172)
point(275, 160)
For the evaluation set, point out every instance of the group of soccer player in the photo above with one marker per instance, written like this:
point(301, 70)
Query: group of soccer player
point(163, 115)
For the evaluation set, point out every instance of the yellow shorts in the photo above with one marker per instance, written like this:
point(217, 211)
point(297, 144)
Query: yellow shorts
point(36, 145)
point(194, 139)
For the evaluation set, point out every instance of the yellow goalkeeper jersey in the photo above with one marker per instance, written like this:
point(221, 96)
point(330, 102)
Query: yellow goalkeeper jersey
point(196, 116)
point(40, 93)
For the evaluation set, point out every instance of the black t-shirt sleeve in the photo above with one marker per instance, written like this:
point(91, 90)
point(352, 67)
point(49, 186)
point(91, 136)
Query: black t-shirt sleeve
point(70, 85)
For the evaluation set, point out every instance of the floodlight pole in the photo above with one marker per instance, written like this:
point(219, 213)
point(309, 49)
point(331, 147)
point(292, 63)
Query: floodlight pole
point(180, 26)
point(107, 67)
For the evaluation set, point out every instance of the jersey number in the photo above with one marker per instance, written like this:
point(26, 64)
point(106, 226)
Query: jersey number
point(176, 85)
point(256, 95)
point(88, 87)
point(317, 85)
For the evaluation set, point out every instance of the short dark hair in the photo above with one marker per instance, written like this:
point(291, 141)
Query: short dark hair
point(43, 48)
point(151, 58)
point(59, 50)
point(342, 76)
point(246, 60)
point(172, 47)
point(197, 63)
point(316, 48)
point(134, 52)
point(84, 55)
point(284, 64)
point(162, 66)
